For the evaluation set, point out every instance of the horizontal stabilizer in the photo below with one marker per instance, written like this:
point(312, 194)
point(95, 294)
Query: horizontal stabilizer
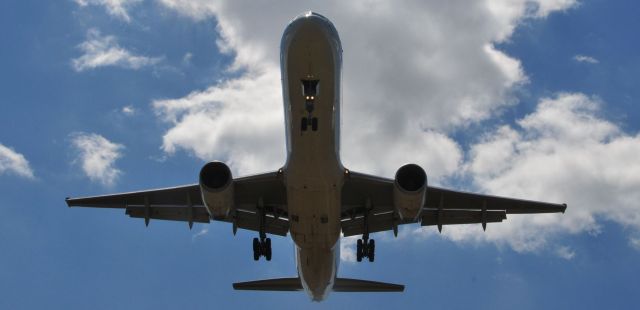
point(355, 285)
point(340, 285)
point(282, 284)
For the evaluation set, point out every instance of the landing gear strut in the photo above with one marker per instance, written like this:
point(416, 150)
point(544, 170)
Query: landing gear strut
point(262, 245)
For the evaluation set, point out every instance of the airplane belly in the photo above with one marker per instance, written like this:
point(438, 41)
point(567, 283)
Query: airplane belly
point(311, 60)
point(314, 212)
point(315, 216)
point(313, 173)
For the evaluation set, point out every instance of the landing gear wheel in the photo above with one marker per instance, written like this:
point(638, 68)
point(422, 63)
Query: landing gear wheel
point(314, 124)
point(267, 247)
point(372, 250)
point(256, 249)
point(359, 250)
point(304, 124)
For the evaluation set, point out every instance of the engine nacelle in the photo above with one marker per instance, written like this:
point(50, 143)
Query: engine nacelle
point(216, 186)
point(410, 191)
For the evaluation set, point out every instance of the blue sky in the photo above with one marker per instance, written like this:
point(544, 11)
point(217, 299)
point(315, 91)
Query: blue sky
point(526, 99)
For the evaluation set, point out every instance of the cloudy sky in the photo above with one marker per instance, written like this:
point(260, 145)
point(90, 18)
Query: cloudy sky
point(527, 98)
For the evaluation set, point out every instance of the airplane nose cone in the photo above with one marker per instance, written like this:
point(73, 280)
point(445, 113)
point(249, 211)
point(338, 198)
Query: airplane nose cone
point(312, 17)
point(311, 24)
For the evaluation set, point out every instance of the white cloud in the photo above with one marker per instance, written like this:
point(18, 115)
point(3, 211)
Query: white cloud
point(117, 8)
point(587, 59)
point(565, 252)
point(14, 162)
point(545, 7)
point(100, 51)
point(128, 110)
point(240, 121)
point(635, 243)
point(410, 73)
point(562, 152)
point(97, 157)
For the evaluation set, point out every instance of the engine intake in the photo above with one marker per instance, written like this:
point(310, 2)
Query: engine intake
point(410, 191)
point(215, 175)
point(216, 186)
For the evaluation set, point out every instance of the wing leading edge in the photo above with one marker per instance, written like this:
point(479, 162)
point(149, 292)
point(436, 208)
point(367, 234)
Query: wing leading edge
point(184, 203)
point(442, 206)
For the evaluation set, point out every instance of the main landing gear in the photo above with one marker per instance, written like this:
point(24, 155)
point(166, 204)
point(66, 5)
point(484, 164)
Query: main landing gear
point(366, 247)
point(262, 245)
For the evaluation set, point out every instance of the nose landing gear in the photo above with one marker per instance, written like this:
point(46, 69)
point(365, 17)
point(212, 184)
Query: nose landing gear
point(309, 121)
point(309, 92)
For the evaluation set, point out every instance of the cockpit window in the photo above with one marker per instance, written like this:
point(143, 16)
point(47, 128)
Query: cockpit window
point(310, 89)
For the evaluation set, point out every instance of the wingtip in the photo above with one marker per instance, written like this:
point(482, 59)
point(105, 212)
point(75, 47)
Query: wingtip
point(564, 207)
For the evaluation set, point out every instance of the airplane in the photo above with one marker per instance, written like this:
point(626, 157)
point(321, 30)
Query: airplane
point(313, 197)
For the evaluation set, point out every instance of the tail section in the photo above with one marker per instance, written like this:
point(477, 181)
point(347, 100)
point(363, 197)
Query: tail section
point(340, 285)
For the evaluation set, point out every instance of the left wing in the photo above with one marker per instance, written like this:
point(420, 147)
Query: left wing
point(184, 203)
point(362, 192)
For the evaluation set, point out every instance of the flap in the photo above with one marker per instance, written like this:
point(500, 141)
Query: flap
point(451, 217)
point(196, 214)
point(251, 221)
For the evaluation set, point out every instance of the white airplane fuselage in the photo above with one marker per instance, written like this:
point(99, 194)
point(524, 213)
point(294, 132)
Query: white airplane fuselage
point(311, 51)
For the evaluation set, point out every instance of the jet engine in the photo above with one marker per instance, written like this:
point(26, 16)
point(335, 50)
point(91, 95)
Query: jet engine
point(216, 186)
point(410, 191)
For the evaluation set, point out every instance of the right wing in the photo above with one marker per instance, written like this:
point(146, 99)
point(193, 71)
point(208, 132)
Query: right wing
point(442, 206)
point(184, 203)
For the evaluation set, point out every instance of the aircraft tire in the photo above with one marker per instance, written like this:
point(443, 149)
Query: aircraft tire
point(256, 249)
point(267, 248)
